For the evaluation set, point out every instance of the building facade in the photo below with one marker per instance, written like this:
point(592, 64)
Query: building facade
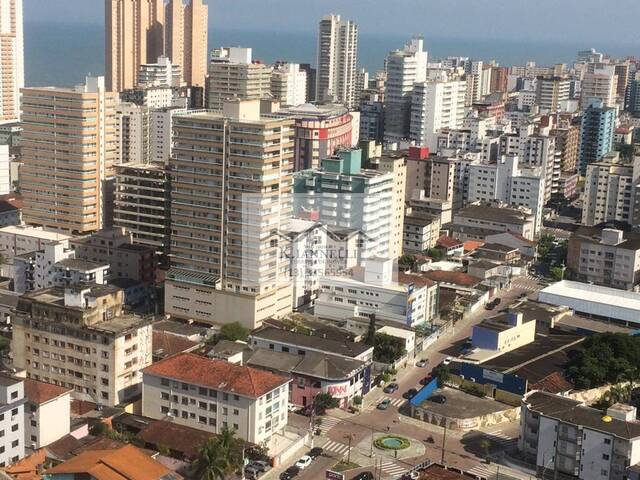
point(12, 419)
point(596, 134)
point(12, 68)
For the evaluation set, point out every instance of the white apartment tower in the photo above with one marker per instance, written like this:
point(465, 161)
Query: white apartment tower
point(289, 84)
point(436, 104)
point(405, 68)
point(12, 64)
point(336, 61)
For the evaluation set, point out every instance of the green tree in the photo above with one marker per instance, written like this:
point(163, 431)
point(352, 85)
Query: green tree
point(442, 373)
point(557, 273)
point(436, 254)
point(371, 332)
point(324, 402)
point(219, 457)
point(387, 349)
point(233, 332)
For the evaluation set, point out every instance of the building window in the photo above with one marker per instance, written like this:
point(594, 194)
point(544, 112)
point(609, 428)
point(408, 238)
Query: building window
point(14, 428)
point(607, 441)
point(15, 443)
point(164, 382)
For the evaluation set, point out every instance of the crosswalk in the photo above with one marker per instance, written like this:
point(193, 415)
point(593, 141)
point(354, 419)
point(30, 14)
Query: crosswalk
point(335, 447)
point(327, 423)
point(480, 472)
point(503, 440)
point(396, 402)
point(392, 469)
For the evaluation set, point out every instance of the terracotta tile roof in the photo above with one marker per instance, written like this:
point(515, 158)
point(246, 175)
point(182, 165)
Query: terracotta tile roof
point(81, 407)
point(27, 468)
point(41, 392)
point(418, 280)
point(553, 383)
point(448, 242)
point(125, 463)
point(218, 374)
point(62, 448)
point(177, 438)
point(456, 278)
point(471, 245)
point(166, 344)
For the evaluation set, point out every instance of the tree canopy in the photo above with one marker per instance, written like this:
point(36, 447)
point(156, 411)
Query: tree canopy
point(324, 402)
point(234, 331)
point(387, 349)
point(219, 457)
point(605, 358)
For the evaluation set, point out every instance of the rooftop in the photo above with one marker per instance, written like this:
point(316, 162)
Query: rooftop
point(449, 242)
point(41, 392)
point(576, 413)
point(496, 214)
point(180, 328)
point(165, 344)
point(497, 247)
point(344, 348)
point(608, 297)
point(81, 265)
point(217, 374)
point(455, 278)
point(34, 232)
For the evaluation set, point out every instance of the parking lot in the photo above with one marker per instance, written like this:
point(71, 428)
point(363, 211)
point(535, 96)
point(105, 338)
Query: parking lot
point(462, 405)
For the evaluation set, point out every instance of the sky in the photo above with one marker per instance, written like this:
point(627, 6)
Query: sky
point(576, 21)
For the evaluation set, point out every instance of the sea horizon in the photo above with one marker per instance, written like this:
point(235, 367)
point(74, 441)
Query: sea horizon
point(53, 56)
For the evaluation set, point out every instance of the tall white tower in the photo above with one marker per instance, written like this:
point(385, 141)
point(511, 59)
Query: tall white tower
point(11, 59)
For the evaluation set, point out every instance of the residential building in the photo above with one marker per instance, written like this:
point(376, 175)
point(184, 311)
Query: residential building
point(313, 373)
point(337, 61)
point(47, 413)
point(133, 133)
point(568, 144)
point(186, 38)
point(311, 81)
point(10, 213)
point(115, 247)
point(497, 252)
point(436, 104)
point(371, 291)
point(289, 84)
point(606, 257)
point(234, 75)
point(19, 239)
point(397, 165)
point(80, 338)
point(404, 68)
point(6, 186)
point(566, 438)
point(211, 395)
point(12, 419)
point(504, 333)
point(12, 40)
point(372, 115)
point(163, 73)
point(601, 85)
point(477, 221)
point(215, 277)
point(499, 79)
point(596, 133)
point(88, 149)
point(526, 247)
point(345, 195)
point(39, 269)
point(609, 190)
point(134, 35)
point(421, 232)
point(142, 205)
point(551, 91)
point(161, 133)
point(320, 130)
point(153, 97)
point(125, 462)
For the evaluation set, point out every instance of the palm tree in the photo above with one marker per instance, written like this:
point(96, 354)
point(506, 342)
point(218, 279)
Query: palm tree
point(211, 463)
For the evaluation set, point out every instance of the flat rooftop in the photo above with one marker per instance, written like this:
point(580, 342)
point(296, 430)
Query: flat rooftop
point(34, 232)
point(462, 405)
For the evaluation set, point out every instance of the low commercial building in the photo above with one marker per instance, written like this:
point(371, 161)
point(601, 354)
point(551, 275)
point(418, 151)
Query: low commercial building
point(48, 413)
point(608, 304)
point(478, 221)
point(80, 338)
point(503, 333)
point(421, 232)
point(19, 239)
point(526, 247)
point(498, 253)
point(567, 439)
point(212, 395)
point(606, 257)
point(12, 417)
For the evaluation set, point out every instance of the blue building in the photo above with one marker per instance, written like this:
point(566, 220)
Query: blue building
point(598, 127)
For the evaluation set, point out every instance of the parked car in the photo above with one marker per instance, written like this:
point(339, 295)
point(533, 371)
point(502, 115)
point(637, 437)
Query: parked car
point(438, 399)
point(522, 295)
point(409, 394)
point(422, 363)
point(304, 462)
point(306, 411)
point(315, 452)
point(384, 404)
point(251, 471)
point(261, 465)
point(364, 476)
point(447, 361)
point(289, 473)
point(426, 380)
point(497, 301)
point(392, 387)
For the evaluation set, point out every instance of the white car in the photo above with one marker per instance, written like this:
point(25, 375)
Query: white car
point(304, 462)
point(447, 361)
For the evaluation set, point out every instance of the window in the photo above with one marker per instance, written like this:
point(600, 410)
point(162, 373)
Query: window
point(34, 423)
point(14, 412)
point(605, 456)
point(34, 438)
point(15, 443)
point(164, 410)
point(236, 411)
point(607, 441)
point(164, 382)
point(164, 396)
point(202, 419)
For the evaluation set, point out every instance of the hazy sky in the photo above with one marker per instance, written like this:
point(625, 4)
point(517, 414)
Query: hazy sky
point(575, 21)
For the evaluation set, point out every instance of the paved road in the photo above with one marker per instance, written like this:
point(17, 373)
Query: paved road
point(460, 449)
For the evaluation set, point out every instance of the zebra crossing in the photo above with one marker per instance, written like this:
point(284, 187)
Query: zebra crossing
point(336, 447)
point(480, 472)
point(392, 469)
point(327, 423)
point(503, 440)
point(396, 402)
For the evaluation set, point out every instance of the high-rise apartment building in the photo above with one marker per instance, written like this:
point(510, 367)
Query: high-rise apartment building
point(550, 91)
point(601, 84)
point(499, 79)
point(436, 104)
point(12, 64)
point(231, 196)
point(234, 75)
point(69, 147)
point(163, 73)
point(337, 61)
point(598, 127)
point(134, 31)
point(568, 144)
point(397, 165)
point(405, 68)
point(133, 133)
point(289, 84)
point(186, 39)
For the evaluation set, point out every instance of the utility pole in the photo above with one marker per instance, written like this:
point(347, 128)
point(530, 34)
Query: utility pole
point(444, 439)
point(349, 451)
point(371, 454)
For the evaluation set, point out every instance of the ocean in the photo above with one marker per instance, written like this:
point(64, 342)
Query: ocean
point(61, 55)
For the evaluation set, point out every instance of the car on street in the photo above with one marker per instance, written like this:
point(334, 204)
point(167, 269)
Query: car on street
point(409, 394)
point(289, 473)
point(304, 462)
point(438, 399)
point(447, 361)
point(422, 363)
point(252, 472)
point(425, 380)
point(260, 465)
point(315, 452)
point(364, 476)
point(384, 404)
point(392, 387)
